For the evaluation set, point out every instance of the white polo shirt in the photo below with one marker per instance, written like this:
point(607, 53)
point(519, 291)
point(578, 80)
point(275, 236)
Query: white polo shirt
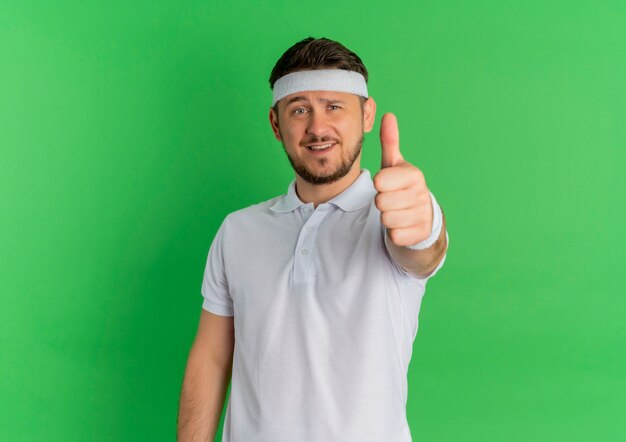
point(324, 320)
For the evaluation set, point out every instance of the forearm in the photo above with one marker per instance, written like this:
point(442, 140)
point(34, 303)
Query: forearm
point(420, 262)
point(202, 398)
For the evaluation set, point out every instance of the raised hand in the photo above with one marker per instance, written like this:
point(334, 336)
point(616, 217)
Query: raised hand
point(403, 197)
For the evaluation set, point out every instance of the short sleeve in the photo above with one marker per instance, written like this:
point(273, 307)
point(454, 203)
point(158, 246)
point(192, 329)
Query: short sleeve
point(214, 282)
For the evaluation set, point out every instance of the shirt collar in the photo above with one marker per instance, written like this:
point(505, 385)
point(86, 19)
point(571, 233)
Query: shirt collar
point(356, 196)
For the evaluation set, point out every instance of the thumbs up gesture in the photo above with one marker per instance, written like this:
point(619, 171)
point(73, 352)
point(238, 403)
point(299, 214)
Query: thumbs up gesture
point(403, 198)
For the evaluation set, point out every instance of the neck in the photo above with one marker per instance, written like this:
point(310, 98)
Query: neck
point(321, 193)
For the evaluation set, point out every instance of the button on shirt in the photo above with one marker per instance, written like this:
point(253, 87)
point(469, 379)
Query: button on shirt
point(324, 320)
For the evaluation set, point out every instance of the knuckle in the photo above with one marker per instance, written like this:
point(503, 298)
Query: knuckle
point(377, 181)
point(424, 230)
point(419, 175)
point(415, 217)
point(378, 200)
point(394, 235)
point(387, 218)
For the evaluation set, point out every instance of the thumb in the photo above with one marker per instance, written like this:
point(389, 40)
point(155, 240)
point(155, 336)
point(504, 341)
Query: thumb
point(390, 141)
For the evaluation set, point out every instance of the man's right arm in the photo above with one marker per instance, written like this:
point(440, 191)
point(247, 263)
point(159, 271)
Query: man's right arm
point(207, 376)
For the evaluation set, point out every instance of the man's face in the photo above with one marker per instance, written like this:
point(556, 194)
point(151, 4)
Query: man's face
point(312, 120)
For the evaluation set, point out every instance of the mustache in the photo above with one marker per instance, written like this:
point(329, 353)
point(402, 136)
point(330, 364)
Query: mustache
point(319, 140)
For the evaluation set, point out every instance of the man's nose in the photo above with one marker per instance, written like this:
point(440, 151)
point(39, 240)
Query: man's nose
point(318, 125)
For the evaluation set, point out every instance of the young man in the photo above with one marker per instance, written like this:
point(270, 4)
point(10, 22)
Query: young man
point(321, 286)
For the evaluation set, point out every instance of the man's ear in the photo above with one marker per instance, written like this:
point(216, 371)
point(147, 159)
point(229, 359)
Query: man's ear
point(369, 114)
point(274, 123)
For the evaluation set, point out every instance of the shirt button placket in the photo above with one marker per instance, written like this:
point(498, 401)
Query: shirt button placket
point(306, 244)
point(303, 249)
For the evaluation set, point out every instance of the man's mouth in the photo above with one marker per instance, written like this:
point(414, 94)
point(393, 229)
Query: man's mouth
point(320, 147)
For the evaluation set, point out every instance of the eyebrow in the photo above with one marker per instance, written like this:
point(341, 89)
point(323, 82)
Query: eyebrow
point(301, 98)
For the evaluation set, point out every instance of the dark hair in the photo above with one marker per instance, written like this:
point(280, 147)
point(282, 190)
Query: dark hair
point(317, 53)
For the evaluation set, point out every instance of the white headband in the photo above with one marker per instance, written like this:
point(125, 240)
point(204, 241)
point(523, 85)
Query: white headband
point(338, 80)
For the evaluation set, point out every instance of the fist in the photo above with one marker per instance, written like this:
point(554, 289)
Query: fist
point(402, 196)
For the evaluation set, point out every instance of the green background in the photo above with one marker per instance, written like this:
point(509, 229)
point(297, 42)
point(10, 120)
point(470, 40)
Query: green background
point(129, 130)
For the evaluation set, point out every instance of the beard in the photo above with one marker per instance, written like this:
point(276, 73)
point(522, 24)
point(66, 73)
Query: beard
point(343, 169)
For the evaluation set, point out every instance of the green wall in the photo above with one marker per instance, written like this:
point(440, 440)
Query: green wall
point(128, 130)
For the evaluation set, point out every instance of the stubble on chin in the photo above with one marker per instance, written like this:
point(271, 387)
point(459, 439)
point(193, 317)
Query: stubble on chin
point(342, 170)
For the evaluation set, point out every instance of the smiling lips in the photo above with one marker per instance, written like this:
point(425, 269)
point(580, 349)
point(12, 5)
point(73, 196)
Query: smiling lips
point(320, 147)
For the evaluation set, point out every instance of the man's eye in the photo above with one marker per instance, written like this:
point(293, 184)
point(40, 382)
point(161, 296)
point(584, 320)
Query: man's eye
point(335, 106)
point(297, 111)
